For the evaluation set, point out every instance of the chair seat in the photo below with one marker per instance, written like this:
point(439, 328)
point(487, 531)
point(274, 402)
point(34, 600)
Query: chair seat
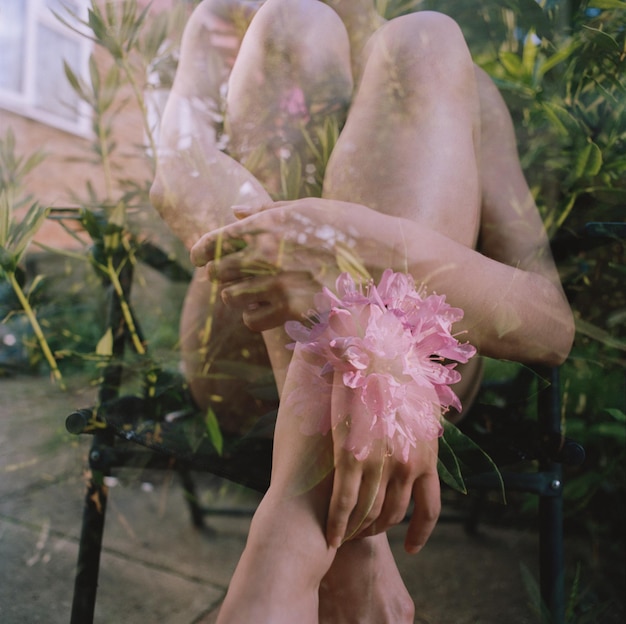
point(181, 438)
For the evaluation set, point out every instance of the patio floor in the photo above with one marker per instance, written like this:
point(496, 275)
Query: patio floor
point(156, 567)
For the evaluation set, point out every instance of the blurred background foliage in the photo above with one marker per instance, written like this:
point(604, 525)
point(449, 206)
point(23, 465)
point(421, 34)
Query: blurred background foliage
point(560, 65)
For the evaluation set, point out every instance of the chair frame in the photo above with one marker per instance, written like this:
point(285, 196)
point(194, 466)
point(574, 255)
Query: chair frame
point(106, 454)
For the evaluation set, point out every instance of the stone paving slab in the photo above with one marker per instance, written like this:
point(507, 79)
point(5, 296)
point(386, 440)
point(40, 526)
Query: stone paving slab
point(36, 584)
point(156, 568)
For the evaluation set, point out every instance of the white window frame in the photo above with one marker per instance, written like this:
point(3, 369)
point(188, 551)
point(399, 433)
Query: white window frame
point(24, 103)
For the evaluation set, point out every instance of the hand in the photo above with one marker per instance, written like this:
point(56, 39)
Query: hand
point(273, 261)
point(371, 495)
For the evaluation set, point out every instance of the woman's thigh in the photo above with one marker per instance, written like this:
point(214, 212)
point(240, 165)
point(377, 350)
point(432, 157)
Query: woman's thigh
point(291, 77)
point(410, 144)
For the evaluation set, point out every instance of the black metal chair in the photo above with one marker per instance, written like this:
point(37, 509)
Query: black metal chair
point(145, 431)
point(530, 455)
point(160, 429)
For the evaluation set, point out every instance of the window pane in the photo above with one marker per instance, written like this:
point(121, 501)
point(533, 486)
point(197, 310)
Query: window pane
point(12, 32)
point(53, 92)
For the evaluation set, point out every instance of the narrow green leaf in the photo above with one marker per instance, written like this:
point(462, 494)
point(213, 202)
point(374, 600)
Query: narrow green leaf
point(562, 120)
point(511, 63)
point(94, 74)
point(104, 348)
point(564, 52)
point(213, 431)
point(529, 54)
point(32, 161)
point(592, 331)
point(5, 217)
point(582, 161)
point(617, 414)
point(448, 467)
point(464, 458)
point(117, 218)
point(22, 234)
point(607, 4)
point(111, 86)
point(594, 162)
point(614, 431)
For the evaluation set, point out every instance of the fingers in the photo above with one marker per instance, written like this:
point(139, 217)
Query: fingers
point(346, 486)
point(394, 502)
point(241, 212)
point(427, 498)
point(268, 301)
point(217, 244)
point(247, 231)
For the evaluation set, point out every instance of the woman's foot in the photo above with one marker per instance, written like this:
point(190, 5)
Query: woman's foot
point(364, 586)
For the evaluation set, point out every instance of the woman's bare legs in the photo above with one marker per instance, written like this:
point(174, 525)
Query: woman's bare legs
point(389, 158)
point(409, 145)
point(364, 585)
point(292, 74)
point(408, 148)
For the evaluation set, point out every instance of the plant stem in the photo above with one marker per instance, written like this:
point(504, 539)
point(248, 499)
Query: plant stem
point(126, 312)
point(41, 339)
point(142, 106)
point(105, 159)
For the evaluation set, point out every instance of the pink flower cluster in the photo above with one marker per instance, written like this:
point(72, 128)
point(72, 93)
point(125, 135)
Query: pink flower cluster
point(389, 343)
point(293, 103)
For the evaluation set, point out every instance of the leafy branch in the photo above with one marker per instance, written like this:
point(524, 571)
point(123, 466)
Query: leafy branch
point(15, 237)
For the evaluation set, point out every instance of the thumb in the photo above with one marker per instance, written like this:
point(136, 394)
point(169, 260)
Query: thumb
point(241, 211)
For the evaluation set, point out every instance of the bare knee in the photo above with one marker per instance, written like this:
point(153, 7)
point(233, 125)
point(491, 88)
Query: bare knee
point(425, 50)
point(295, 27)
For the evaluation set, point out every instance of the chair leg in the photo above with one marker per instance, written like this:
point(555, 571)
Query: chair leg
point(90, 547)
point(551, 551)
point(189, 487)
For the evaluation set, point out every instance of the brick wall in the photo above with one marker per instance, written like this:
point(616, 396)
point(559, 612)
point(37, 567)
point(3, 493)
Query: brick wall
point(66, 169)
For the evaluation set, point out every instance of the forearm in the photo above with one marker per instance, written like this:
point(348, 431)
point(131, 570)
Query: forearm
point(509, 313)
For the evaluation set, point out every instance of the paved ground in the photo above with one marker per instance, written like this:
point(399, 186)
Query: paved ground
point(156, 568)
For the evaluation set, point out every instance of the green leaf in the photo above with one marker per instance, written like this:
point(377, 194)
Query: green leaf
point(613, 430)
point(529, 54)
point(104, 347)
point(22, 234)
point(111, 85)
point(562, 120)
point(348, 261)
point(460, 457)
point(565, 51)
point(588, 162)
point(449, 468)
point(32, 161)
point(213, 431)
point(512, 63)
point(5, 217)
point(8, 263)
point(291, 176)
point(94, 75)
point(607, 4)
point(617, 414)
point(75, 83)
point(534, 595)
point(592, 331)
point(117, 218)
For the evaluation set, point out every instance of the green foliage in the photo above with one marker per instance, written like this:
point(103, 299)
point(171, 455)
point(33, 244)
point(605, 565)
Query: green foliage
point(141, 53)
point(560, 64)
point(16, 236)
